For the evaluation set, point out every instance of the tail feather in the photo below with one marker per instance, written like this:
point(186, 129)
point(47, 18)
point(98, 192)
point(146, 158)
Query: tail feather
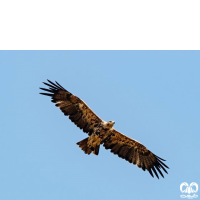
point(96, 150)
point(83, 144)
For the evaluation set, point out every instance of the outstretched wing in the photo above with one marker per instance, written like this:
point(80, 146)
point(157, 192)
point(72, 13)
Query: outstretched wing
point(72, 106)
point(134, 152)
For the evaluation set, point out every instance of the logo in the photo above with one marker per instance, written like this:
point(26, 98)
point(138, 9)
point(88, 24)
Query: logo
point(190, 189)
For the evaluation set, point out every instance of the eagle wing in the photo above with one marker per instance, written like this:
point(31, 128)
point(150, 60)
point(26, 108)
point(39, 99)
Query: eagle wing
point(134, 152)
point(72, 106)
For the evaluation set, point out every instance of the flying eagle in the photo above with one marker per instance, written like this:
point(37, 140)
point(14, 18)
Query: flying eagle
point(102, 132)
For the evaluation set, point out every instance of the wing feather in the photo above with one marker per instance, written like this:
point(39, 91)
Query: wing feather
point(116, 148)
point(129, 155)
point(77, 110)
point(134, 156)
point(123, 151)
point(134, 152)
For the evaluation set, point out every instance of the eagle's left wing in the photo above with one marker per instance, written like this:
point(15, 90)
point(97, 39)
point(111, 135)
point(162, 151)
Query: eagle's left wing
point(77, 110)
point(134, 152)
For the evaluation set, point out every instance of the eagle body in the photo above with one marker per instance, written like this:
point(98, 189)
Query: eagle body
point(100, 134)
point(103, 133)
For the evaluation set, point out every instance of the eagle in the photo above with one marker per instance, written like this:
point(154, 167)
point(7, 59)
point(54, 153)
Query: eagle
point(101, 132)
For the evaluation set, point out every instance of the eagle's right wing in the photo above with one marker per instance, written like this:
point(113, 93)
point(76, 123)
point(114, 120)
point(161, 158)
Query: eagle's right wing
point(72, 106)
point(135, 153)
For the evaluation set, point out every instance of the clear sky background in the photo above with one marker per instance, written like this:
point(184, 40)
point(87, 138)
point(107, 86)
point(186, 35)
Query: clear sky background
point(153, 96)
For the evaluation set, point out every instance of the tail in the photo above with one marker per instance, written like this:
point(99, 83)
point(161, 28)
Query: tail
point(88, 150)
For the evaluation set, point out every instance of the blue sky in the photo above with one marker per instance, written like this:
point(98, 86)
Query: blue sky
point(153, 96)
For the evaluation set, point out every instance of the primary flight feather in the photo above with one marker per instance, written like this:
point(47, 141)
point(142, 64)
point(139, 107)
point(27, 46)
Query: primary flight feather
point(102, 132)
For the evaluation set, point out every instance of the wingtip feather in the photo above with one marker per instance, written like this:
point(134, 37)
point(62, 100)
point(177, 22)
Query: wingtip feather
point(47, 94)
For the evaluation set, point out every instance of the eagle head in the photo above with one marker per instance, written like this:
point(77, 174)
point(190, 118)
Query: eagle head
point(110, 124)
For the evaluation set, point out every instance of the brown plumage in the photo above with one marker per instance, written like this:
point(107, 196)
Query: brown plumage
point(101, 132)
